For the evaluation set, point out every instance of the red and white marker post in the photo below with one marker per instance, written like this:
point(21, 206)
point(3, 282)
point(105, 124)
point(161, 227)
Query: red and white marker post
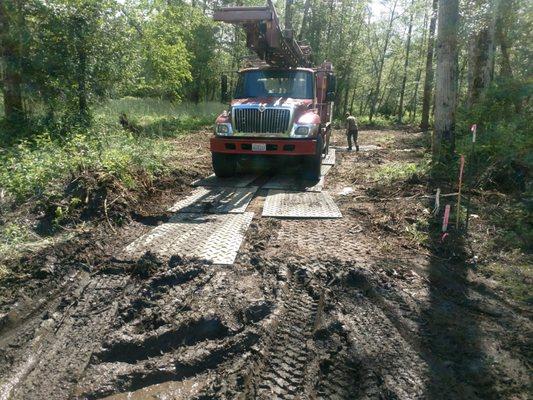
point(445, 222)
point(461, 170)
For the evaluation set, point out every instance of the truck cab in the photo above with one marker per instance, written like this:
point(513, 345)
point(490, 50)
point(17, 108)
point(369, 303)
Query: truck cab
point(276, 112)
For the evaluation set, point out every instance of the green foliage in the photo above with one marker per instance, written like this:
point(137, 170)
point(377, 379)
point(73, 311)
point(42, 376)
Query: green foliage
point(417, 232)
point(12, 235)
point(503, 155)
point(75, 53)
point(165, 53)
point(515, 279)
point(402, 171)
point(156, 117)
point(39, 166)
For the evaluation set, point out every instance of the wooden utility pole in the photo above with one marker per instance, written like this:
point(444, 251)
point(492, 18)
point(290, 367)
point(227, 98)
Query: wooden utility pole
point(446, 79)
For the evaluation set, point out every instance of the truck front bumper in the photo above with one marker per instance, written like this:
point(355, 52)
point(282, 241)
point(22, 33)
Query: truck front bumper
point(282, 147)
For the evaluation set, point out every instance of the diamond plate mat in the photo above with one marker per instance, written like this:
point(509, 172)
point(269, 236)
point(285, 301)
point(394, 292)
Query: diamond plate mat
point(324, 169)
point(234, 181)
point(216, 200)
point(280, 203)
point(297, 183)
point(362, 147)
point(330, 158)
point(214, 238)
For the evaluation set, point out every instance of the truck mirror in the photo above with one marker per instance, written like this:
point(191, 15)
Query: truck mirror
point(332, 87)
point(332, 83)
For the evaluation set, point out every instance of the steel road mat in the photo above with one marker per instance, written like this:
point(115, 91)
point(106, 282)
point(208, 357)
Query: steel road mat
point(234, 181)
point(280, 203)
point(330, 158)
point(217, 200)
point(213, 238)
point(362, 147)
point(297, 183)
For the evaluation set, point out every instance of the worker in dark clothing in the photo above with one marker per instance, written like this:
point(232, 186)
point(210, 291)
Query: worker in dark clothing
point(351, 131)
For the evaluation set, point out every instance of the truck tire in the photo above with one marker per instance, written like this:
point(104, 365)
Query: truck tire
point(224, 165)
point(313, 163)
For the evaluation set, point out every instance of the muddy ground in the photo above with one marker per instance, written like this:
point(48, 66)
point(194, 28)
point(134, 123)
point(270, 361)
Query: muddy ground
point(371, 306)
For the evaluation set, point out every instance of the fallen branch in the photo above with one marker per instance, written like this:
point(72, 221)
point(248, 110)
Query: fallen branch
point(107, 216)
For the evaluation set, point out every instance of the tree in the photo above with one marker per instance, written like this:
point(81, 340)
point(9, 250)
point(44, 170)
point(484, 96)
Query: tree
point(481, 60)
point(381, 61)
point(446, 80)
point(10, 46)
point(406, 63)
point(428, 80)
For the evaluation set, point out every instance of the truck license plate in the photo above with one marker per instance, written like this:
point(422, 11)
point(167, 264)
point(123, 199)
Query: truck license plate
point(259, 146)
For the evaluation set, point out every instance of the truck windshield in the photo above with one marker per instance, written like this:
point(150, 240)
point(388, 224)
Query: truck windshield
point(295, 84)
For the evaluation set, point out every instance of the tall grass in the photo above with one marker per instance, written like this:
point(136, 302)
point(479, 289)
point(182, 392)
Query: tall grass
point(41, 165)
point(154, 117)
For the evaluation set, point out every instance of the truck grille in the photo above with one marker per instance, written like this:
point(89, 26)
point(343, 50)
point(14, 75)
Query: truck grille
point(272, 120)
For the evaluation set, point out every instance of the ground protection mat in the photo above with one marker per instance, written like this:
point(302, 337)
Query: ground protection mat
point(280, 203)
point(297, 183)
point(214, 238)
point(216, 200)
point(330, 158)
point(234, 181)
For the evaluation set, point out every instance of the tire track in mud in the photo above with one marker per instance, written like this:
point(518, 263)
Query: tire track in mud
point(66, 340)
point(388, 364)
point(176, 327)
point(358, 351)
point(288, 357)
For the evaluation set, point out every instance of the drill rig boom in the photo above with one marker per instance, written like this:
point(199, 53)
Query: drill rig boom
point(265, 37)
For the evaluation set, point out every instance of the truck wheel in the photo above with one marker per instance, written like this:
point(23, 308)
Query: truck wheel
point(313, 163)
point(224, 165)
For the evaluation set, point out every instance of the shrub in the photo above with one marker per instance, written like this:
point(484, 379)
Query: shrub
point(503, 156)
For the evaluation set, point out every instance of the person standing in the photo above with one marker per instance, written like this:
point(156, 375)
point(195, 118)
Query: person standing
point(351, 131)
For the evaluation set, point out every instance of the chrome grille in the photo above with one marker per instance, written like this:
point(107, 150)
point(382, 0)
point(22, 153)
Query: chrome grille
point(271, 120)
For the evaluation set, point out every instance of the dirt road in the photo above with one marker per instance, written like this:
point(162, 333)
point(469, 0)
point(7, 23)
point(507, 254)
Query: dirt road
point(363, 307)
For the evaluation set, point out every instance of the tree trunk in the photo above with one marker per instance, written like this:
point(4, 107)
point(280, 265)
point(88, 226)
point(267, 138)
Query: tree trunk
point(501, 38)
point(446, 80)
point(329, 29)
point(482, 56)
point(11, 75)
point(288, 15)
point(303, 28)
point(81, 70)
point(414, 100)
point(405, 65)
point(382, 62)
point(428, 80)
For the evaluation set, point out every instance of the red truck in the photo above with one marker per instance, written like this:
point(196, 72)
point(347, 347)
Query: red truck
point(282, 109)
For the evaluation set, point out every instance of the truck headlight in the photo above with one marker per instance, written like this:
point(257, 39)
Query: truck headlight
point(302, 131)
point(223, 129)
